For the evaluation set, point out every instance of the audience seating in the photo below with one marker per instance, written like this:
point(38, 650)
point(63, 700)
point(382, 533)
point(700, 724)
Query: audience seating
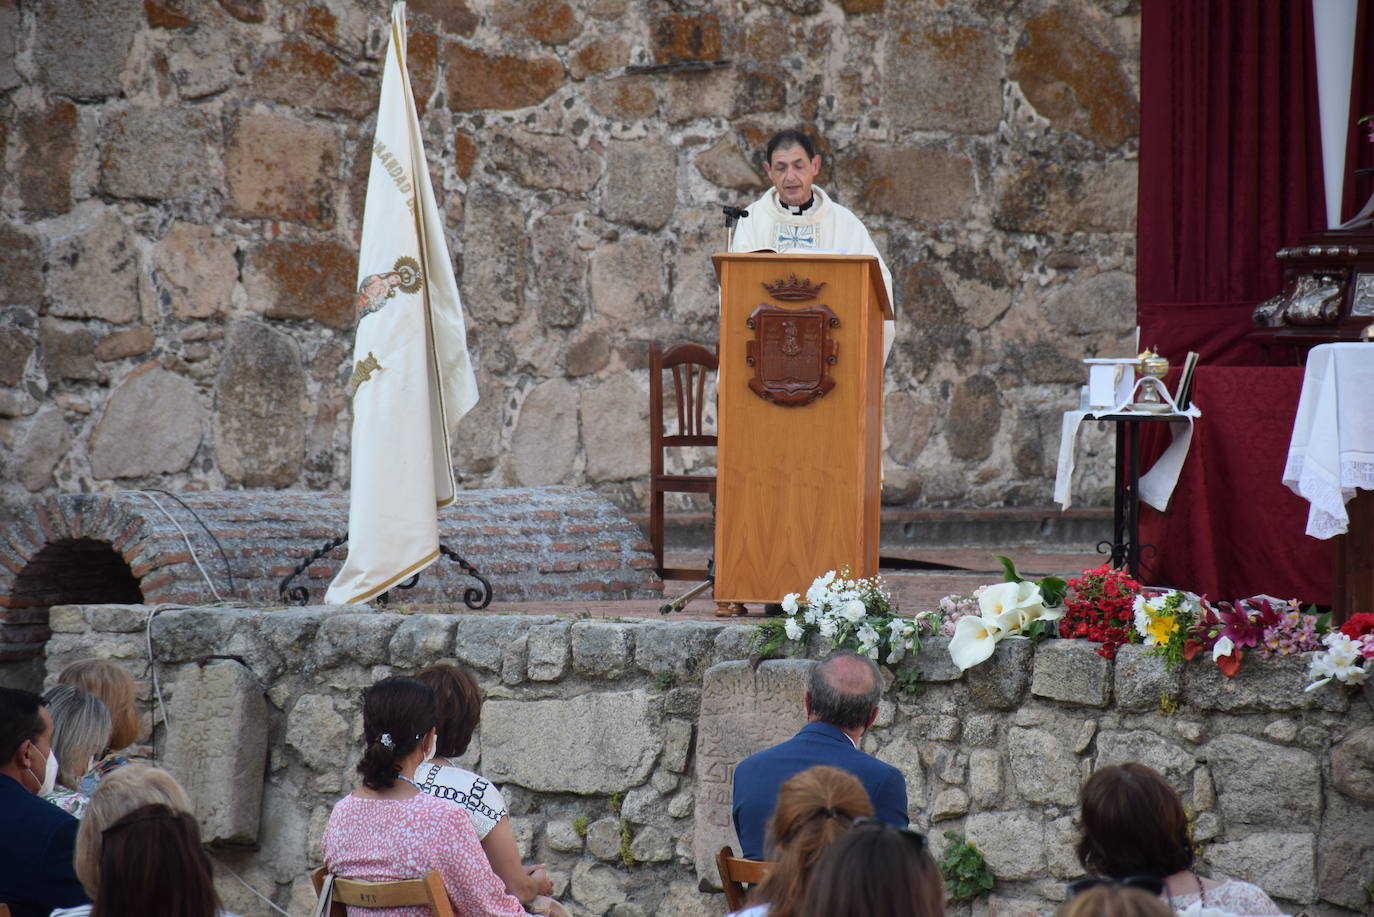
point(428, 890)
point(736, 872)
point(690, 364)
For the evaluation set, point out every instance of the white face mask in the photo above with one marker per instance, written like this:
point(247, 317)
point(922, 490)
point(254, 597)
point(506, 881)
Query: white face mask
point(433, 748)
point(49, 775)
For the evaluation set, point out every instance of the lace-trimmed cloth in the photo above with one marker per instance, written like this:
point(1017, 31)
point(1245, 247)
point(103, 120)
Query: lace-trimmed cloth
point(1231, 897)
point(1331, 452)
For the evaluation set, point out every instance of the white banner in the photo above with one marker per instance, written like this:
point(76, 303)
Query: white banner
point(412, 378)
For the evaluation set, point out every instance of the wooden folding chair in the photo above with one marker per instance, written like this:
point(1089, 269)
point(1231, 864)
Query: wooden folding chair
point(427, 890)
point(735, 872)
point(690, 364)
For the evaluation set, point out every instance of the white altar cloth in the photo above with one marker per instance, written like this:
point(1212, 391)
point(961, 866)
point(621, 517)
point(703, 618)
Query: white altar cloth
point(1332, 449)
point(1156, 485)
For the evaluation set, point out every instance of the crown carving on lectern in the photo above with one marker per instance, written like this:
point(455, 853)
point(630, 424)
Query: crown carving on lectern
point(792, 289)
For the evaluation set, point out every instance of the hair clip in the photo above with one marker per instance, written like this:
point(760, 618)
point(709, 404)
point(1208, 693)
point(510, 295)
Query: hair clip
point(387, 740)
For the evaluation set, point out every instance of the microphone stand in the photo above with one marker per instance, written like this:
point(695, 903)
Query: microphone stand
point(732, 216)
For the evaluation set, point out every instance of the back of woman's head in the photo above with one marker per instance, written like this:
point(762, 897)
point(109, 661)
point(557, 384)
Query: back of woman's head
point(120, 793)
point(1133, 824)
point(459, 701)
point(115, 688)
point(80, 730)
point(397, 714)
point(151, 862)
point(1111, 899)
point(876, 870)
point(814, 808)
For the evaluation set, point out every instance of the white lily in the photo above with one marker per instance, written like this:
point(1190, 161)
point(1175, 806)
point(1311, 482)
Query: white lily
point(1011, 605)
point(1223, 647)
point(974, 640)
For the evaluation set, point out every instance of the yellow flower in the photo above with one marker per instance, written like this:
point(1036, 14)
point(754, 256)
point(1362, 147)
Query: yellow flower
point(1161, 629)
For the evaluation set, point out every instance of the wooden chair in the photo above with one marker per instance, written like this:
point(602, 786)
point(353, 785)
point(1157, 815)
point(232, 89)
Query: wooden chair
point(690, 365)
point(428, 890)
point(735, 872)
point(4, 910)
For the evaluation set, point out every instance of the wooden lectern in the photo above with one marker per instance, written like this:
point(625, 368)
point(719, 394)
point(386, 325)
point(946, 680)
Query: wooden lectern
point(800, 425)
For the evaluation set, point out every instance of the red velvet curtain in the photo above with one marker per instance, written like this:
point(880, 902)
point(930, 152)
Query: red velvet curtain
point(1230, 167)
point(1359, 151)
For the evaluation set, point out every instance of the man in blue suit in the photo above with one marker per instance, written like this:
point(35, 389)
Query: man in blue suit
point(36, 845)
point(842, 694)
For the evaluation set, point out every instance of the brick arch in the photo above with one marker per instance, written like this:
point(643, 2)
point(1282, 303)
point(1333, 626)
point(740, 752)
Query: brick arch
point(127, 547)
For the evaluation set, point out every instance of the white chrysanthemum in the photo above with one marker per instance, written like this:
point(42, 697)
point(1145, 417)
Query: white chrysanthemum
point(853, 610)
point(793, 629)
point(828, 627)
point(789, 603)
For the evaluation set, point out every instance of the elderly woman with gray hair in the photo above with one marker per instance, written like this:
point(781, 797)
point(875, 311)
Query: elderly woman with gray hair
point(81, 730)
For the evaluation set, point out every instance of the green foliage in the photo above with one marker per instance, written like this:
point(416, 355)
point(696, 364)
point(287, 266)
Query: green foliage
point(1052, 588)
point(1168, 704)
point(966, 873)
point(769, 636)
point(908, 682)
point(617, 800)
point(626, 856)
point(663, 681)
point(580, 824)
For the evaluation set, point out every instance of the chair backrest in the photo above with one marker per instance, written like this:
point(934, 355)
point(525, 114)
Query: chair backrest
point(4, 910)
point(427, 890)
point(735, 872)
point(690, 365)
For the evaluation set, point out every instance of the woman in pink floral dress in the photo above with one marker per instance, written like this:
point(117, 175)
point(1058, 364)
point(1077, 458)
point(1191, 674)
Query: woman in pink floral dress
point(387, 829)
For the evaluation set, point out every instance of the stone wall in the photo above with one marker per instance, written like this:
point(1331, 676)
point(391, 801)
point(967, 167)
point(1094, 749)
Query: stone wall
point(614, 743)
point(183, 180)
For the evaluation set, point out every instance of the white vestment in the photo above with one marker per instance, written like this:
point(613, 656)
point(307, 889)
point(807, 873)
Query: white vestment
point(825, 226)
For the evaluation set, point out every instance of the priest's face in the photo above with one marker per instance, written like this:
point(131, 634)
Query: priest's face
point(792, 173)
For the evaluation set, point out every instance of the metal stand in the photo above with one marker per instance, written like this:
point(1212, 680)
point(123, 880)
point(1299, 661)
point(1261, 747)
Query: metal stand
point(732, 216)
point(678, 603)
point(1125, 548)
point(474, 597)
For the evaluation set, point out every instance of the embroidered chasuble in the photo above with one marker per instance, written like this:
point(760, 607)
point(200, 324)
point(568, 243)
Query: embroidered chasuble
point(825, 226)
point(412, 378)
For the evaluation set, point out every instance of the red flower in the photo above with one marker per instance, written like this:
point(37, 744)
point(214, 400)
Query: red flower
point(1358, 626)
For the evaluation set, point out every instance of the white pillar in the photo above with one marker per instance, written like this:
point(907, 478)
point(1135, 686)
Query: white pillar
point(1334, 26)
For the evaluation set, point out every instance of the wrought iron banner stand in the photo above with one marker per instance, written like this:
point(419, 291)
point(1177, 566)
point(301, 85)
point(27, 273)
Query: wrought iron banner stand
point(474, 597)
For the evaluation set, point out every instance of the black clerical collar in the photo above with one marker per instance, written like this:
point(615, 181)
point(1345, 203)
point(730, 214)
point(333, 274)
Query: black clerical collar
point(798, 209)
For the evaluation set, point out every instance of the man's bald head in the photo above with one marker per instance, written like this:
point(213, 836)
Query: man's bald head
point(844, 689)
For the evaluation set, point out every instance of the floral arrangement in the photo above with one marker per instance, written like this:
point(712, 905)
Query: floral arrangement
point(955, 606)
point(1164, 621)
point(857, 614)
point(1100, 606)
point(1348, 654)
point(1013, 608)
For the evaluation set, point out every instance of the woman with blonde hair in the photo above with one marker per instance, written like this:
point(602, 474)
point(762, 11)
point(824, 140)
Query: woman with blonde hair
point(141, 816)
point(814, 809)
point(115, 688)
point(81, 730)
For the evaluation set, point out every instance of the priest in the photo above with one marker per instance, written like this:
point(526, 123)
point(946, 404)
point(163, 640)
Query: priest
point(796, 215)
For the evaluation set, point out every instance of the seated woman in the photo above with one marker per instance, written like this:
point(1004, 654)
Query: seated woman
point(876, 870)
point(1113, 899)
point(115, 688)
point(460, 708)
point(387, 829)
point(138, 850)
point(80, 731)
point(814, 809)
point(1134, 825)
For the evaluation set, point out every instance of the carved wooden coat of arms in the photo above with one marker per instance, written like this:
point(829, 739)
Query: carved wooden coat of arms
point(792, 352)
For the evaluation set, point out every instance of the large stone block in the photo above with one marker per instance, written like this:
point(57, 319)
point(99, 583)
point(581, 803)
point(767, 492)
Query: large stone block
point(197, 270)
point(282, 168)
point(44, 444)
point(604, 742)
point(1116, 746)
point(361, 638)
point(547, 649)
point(726, 166)
point(544, 161)
point(93, 268)
point(1013, 843)
point(1102, 302)
point(260, 407)
point(1040, 195)
point(302, 75)
point(544, 447)
point(302, 280)
point(551, 21)
point(1345, 853)
point(49, 141)
point(975, 416)
point(1073, 672)
point(494, 260)
point(1069, 70)
point(949, 79)
point(614, 414)
point(743, 710)
point(626, 280)
point(153, 423)
point(1352, 765)
point(926, 182)
point(21, 264)
point(686, 36)
point(322, 735)
point(478, 79)
point(602, 650)
point(422, 640)
point(81, 46)
point(162, 153)
point(68, 350)
point(641, 183)
point(625, 98)
point(454, 17)
point(1142, 680)
point(9, 44)
point(1044, 767)
point(1281, 863)
point(1259, 783)
point(217, 747)
point(1275, 684)
point(904, 753)
point(607, 52)
point(683, 649)
point(1000, 683)
point(561, 277)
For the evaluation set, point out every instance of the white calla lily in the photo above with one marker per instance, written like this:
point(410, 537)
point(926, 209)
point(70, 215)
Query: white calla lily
point(1223, 647)
point(973, 642)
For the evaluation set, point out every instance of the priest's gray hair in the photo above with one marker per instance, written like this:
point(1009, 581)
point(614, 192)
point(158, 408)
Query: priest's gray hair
point(845, 687)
